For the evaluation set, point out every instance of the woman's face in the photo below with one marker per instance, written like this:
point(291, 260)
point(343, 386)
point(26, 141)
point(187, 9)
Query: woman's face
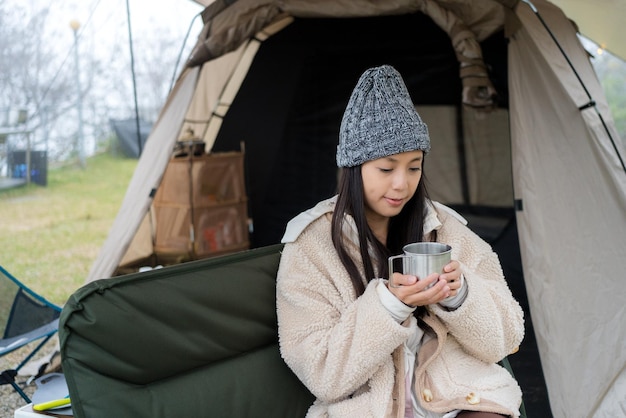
point(389, 183)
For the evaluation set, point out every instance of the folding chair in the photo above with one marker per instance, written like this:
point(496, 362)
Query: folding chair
point(25, 317)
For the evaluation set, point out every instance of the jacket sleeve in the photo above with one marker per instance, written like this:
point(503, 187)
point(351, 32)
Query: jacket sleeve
point(490, 322)
point(331, 340)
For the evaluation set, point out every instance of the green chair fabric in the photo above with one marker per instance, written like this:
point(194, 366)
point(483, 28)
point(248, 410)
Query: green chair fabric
point(193, 340)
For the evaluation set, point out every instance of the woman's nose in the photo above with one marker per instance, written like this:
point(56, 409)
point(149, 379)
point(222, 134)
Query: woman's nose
point(399, 181)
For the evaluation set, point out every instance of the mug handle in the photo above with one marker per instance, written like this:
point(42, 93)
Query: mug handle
point(390, 262)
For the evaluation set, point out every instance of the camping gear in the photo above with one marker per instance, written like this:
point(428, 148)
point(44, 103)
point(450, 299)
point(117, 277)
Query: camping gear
point(546, 159)
point(196, 339)
point(189, 144)
point(25, 317)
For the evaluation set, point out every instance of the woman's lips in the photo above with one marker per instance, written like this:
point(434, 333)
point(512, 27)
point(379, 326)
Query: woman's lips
point(394, 202)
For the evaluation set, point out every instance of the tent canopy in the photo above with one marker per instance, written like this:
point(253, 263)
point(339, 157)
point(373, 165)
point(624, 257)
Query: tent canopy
point(602, 21)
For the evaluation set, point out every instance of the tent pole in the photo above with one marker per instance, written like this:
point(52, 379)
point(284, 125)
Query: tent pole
point(132, 69)
point(591, 103)
point(180, 53)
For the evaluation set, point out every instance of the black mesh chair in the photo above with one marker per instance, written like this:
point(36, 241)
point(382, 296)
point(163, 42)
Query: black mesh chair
point(25, 317)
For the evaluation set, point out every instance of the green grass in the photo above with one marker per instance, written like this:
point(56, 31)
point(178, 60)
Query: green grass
point(50, 236)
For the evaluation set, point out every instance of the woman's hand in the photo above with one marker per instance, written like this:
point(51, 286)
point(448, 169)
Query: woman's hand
point(432, 289)
point(452, 275)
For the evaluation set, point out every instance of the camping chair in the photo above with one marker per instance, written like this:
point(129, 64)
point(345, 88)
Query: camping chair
point(180, 342)
point(25, 317)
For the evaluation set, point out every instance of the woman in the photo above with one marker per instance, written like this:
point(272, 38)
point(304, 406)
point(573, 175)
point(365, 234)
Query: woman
point(362, 347)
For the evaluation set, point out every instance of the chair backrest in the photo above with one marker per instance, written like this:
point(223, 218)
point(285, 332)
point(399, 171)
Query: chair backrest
point(197, 339)
point(25, 316)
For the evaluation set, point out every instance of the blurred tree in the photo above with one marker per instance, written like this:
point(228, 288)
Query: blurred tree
point(37, 71)
point(27, 77)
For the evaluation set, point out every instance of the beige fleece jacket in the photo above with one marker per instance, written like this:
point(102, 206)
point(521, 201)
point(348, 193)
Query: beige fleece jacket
point(348, 350)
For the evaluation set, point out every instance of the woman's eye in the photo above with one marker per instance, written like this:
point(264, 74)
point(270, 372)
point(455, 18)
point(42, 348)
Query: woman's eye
point(415, 169)
point(386, 170)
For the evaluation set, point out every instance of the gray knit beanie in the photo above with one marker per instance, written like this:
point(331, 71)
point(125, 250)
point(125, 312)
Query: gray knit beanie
point(380, 120)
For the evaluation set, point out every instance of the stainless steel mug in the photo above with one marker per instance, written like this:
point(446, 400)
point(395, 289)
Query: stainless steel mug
point(421, 259)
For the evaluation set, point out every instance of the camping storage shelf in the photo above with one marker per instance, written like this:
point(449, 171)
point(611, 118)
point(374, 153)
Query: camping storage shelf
point(201, 208)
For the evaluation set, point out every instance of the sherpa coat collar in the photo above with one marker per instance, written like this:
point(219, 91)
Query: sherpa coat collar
point(348, 350)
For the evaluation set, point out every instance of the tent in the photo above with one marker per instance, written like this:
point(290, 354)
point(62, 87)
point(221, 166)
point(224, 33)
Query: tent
point(545, 163)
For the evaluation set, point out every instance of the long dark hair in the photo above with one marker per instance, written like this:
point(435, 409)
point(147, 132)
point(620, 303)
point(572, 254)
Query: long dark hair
point(404, 228)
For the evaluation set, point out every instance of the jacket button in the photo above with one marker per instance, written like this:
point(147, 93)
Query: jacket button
point(427, 395)
point(515, 350)
point(472, 398)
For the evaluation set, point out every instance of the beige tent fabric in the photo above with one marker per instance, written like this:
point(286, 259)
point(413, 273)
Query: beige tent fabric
point(142, 245)
point(222, 79)
point(231, 28)
point(206, 103)
point(147, 175)
point(488, 157)
point(572, 229)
